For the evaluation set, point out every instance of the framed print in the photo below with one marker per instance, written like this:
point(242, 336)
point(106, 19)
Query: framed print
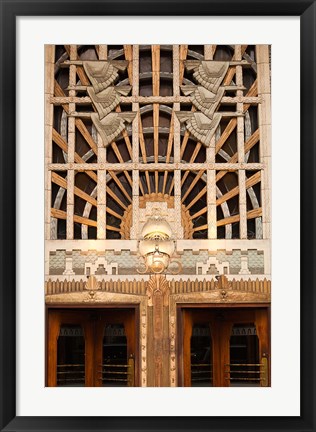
point(157, 223)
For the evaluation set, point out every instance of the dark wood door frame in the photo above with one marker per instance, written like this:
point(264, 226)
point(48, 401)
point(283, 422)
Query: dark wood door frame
point(257, 313)
point(56, 315)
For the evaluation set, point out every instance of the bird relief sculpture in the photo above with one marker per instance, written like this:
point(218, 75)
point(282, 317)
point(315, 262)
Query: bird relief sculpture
point(206, 98)
point(105, 97)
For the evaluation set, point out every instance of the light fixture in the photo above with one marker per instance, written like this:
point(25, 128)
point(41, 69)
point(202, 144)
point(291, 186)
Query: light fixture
point(156, 247)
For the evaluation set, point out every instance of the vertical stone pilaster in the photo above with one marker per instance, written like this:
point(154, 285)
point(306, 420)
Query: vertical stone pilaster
point(177, 143)
point(173, 355)
point(211, 174)
point(209, 51)
point(211, 204)
point(263, 66)
point(103, 52)
point(49, 116)
point(177, 204)
point(176, 106)
point(101, 186)
point(143, 345)
point(70, 203)
point(71, 147)
point(101, 210)
point(241, 151)
point(211, 193)
point(158, 331)
point(135, 144)
point(135, 210)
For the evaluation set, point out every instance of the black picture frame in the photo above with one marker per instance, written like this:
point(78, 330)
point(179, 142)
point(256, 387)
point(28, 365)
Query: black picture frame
point(9, 10)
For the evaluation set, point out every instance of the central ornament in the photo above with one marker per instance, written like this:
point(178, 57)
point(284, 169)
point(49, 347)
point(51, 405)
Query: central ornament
point(156, 246)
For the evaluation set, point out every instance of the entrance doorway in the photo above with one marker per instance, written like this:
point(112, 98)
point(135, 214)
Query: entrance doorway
point(91, 347)
point(224, 346)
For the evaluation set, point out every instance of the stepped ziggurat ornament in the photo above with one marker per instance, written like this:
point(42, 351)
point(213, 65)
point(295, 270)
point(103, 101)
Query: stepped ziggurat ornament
point(206, 97)
point(105, 97)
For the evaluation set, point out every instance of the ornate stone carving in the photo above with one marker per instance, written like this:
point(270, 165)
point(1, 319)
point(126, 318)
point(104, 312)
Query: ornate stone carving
point(108, 99)
point(101, 266)
point(203, 99)
point(158, 285)
point(105, 97)
point(103, 73)
point(200, 126)
point(145, 200)
point(92, 286)
point(209, 74)
point(212, 266)
point(203, 124)
point(112, 125)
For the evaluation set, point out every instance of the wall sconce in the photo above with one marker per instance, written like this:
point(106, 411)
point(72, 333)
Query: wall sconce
point(157, 247)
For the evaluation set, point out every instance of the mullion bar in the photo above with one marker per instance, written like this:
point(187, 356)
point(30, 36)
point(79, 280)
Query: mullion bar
point(71, 148)
point(211, 173)
point(135, 142)
point(241, 151)
point(101, 172)
point(177, 142)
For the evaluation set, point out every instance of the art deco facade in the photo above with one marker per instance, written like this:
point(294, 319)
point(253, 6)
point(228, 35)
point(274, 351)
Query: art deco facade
point(165, 150)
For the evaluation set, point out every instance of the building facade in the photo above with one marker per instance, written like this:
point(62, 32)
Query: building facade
point(157, 226)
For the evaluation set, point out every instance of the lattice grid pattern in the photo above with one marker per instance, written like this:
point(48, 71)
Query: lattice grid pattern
point(154, 142)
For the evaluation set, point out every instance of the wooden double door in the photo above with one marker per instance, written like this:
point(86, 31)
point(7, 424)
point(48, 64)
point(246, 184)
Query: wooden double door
point(91, 347)
point(224, 346)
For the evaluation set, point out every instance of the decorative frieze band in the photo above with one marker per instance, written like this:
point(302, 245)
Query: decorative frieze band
point(142, 288)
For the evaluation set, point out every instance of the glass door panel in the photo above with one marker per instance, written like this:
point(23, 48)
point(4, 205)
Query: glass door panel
point(115, 362)
point(201, 356)
point(70, 356)
point(244, 369)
